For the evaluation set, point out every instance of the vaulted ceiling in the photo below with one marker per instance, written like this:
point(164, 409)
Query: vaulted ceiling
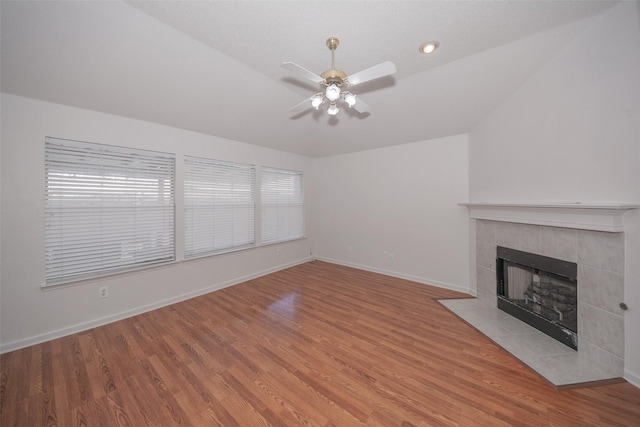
point(214, 66)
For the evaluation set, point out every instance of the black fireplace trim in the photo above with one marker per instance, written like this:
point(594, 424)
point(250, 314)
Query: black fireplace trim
point(562, 268)
point(564, 335)
point(566, 269)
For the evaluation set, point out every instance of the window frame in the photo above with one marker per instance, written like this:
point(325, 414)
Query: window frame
point(218, 168)
point(295, 200)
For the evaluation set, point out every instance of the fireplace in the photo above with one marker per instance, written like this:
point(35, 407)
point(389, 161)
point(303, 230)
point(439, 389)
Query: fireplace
point(540, 291)
point(590, 236)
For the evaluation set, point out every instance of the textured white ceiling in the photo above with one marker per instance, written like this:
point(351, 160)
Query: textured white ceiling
point(214, 66)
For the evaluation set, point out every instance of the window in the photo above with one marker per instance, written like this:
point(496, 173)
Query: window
point(219, 201)
point(106, 209)
point(282, 205)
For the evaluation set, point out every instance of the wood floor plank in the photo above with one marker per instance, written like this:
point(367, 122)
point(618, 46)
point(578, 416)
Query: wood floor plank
point(313, 345)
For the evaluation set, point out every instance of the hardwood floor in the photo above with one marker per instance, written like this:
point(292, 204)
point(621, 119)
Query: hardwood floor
point(317, 344)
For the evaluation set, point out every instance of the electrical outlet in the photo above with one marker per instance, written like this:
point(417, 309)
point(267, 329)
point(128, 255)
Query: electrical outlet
point(385, 255)
point(278, 251)
point(103, 292)
point(391, 256)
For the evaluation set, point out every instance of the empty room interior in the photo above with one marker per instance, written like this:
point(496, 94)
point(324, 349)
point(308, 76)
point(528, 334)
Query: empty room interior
point(320, 213)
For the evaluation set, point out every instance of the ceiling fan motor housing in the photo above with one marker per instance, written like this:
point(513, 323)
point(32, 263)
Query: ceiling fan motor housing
point(333, 76)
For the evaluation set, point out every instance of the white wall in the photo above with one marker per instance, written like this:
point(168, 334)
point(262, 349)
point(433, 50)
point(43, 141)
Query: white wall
point(572, 134)
point(401, 199)
point(31, 314)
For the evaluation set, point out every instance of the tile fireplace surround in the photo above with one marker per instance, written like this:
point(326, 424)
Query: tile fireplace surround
point(591, 236)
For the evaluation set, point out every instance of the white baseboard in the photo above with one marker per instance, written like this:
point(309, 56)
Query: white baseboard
point(37, 339)
point(424, 281)
point(632, 377)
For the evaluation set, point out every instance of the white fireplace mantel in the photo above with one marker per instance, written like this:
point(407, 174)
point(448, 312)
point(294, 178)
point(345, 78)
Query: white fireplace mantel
point(586, 216)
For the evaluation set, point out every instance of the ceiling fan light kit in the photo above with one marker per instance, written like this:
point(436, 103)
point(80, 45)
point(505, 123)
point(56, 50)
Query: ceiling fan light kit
point(333, 83)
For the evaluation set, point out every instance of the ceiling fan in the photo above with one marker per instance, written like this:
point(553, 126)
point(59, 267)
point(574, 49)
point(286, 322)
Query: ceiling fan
point(334, 82)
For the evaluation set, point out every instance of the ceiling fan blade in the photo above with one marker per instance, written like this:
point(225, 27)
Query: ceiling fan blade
point(302, 72)
point(302, 106)
point(381, 70)
point(360, 106)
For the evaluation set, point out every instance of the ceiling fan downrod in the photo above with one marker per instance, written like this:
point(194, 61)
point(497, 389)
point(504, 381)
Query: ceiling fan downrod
point(332, 44)
point(333, 75)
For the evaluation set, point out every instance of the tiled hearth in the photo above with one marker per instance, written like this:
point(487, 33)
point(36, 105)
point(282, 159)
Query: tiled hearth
point(557, 363)
point(600, 259)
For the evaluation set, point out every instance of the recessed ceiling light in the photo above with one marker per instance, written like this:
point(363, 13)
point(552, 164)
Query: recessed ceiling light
point(429, 47)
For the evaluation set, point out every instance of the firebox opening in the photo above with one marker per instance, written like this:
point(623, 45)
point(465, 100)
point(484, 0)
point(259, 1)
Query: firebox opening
point(540, 291)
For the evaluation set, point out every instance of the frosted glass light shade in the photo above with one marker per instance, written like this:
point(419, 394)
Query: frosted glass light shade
point(333, 109)
point(350, 99)
point(333, 92)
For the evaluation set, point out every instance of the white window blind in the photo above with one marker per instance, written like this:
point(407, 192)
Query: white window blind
point(107, 209)
point(219, 200)
point(282, 203)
